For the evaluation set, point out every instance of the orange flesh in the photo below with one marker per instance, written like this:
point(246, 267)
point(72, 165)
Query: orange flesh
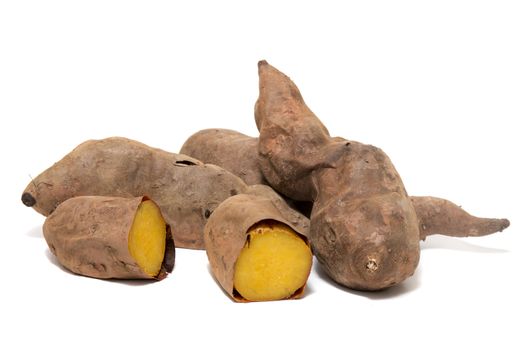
point(147, 238)
point(274, 263)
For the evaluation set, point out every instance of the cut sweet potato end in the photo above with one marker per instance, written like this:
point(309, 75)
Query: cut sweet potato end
point(274, 263)
point(147, 238)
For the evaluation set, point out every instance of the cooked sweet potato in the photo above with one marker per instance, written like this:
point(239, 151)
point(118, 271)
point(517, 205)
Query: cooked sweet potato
point(364, 227)
point(111, 237)
point(186, 190)
point(257, 250)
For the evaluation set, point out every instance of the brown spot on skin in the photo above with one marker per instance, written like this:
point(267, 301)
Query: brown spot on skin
point(93, 228)
point(371, 266)
point(331, 237)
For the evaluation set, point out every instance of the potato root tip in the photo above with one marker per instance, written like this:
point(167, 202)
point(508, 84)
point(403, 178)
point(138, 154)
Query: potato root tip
point(28, 199)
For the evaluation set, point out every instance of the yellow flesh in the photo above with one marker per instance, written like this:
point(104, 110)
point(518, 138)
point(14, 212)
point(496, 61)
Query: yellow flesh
point(147, 238)
point(274, 263)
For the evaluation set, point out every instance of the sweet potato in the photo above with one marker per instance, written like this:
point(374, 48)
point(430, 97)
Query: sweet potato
point(364, 227)
point(186, 190)
point(236, 153)
point(435, 215)
point(111, 237)
point(228, 149)
point(257, 250)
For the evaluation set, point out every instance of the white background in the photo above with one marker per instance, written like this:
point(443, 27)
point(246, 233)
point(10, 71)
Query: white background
point(440, 86)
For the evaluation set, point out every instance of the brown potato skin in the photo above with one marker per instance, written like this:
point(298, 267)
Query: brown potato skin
point(186, 190)
point(366, 235)
point(226, 231)
point(364, 227)
point(435, 215)
point(441, 216)
point(89, 236)
point(235, 152)
point(228, 149)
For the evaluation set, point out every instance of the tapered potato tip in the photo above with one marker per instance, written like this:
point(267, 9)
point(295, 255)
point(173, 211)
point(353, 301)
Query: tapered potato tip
point(441, 216)
point(28, 199)
point(504, 224)
point(271, 77)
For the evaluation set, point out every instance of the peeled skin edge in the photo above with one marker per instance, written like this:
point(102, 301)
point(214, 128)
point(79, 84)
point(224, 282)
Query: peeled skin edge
point(274, 263)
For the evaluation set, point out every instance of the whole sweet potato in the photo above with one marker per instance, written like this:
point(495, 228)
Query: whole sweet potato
point(364, 227)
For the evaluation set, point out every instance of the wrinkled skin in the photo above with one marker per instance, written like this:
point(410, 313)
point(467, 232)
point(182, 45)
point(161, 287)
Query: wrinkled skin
point(366, 237)
point(186, 190)
point(89, 236)
point(364, 227)
point(236, 153)
point(226, 231)
point(435, 215)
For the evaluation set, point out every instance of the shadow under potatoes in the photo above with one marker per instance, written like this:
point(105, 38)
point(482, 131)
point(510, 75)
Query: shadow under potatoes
point(53, 259)
point(413, 282)
point(453, 243)
point(307, 290)
point(407, 286)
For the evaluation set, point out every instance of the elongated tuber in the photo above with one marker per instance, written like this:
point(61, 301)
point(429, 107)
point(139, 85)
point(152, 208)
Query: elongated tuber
point(435, 215)
point(364, 227)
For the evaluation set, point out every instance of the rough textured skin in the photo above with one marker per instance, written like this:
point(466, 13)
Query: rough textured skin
point(299, 221)
point(292, 142)
point(226, 231)
point(228, 149)
point(365, 235)
point(89, 236)
point(435, 215)
point(364, 227)
point(235, 152)
point(186, 190)
point(440, 216)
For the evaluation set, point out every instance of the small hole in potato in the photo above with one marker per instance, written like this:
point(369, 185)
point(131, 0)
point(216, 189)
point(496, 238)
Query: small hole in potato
point(184, 162)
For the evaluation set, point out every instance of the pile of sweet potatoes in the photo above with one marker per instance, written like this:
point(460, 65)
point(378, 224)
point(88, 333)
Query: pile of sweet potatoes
point(261, 207)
